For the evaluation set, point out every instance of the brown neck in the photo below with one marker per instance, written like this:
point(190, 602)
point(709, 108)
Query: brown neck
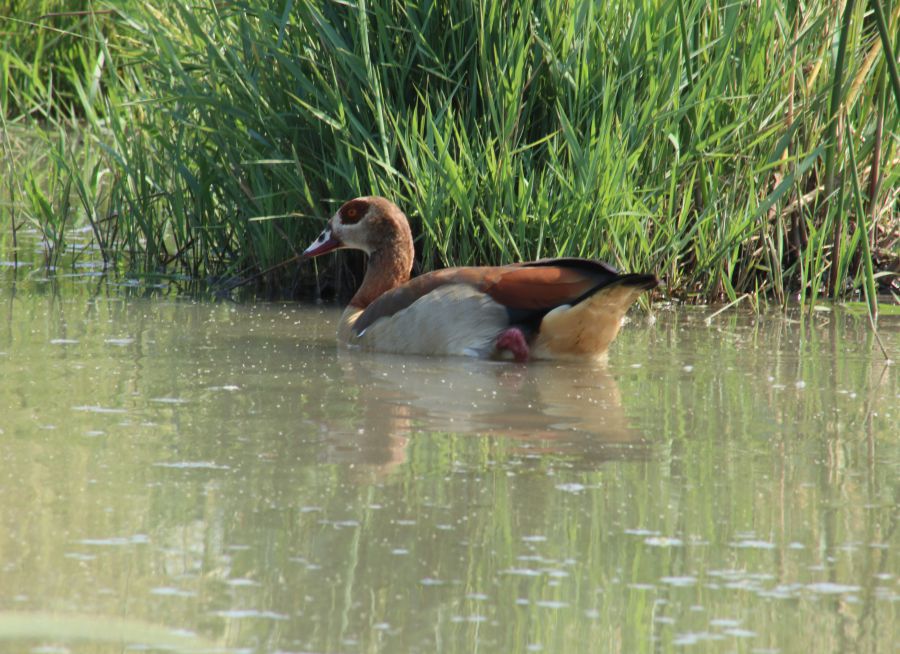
point(388, 268)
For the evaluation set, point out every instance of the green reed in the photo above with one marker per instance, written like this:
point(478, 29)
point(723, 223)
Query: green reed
point(695, 139)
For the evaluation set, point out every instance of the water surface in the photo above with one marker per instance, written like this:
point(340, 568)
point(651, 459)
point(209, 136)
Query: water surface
point(219, 477)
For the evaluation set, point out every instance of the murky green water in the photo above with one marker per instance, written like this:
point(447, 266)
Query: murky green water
point(219, 477)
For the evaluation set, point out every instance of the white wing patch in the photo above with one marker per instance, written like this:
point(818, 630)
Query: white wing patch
point(456, 319)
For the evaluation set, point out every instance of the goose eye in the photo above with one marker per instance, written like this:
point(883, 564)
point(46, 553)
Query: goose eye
point(352, 212)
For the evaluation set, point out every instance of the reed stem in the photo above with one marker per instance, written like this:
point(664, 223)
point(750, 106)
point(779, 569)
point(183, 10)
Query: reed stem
point(831, 144)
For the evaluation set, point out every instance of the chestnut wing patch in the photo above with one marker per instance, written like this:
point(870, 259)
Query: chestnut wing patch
point(546, 286)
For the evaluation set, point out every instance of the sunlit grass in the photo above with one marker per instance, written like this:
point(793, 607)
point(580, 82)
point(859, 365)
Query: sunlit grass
point(708, 142)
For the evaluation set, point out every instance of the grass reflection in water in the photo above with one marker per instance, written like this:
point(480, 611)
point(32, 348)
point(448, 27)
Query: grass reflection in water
point(223, 470)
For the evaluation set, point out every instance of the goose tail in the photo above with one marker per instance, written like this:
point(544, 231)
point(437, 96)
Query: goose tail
point(586, 328)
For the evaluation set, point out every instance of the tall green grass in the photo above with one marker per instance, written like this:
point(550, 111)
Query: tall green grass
point(706, 141)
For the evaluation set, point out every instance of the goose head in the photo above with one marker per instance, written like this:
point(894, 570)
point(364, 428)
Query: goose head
point(377, 227)
point(371, 224)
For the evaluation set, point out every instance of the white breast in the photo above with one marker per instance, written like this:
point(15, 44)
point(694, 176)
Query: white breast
point(455, 319)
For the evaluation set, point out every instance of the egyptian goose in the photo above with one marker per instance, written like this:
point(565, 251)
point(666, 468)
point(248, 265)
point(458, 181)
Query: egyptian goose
point(547, 309)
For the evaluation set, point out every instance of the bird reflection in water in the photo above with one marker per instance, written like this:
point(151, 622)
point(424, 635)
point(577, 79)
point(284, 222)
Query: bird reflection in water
point(573, 411)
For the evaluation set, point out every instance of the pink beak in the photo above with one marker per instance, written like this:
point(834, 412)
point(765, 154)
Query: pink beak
point(325, 243)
